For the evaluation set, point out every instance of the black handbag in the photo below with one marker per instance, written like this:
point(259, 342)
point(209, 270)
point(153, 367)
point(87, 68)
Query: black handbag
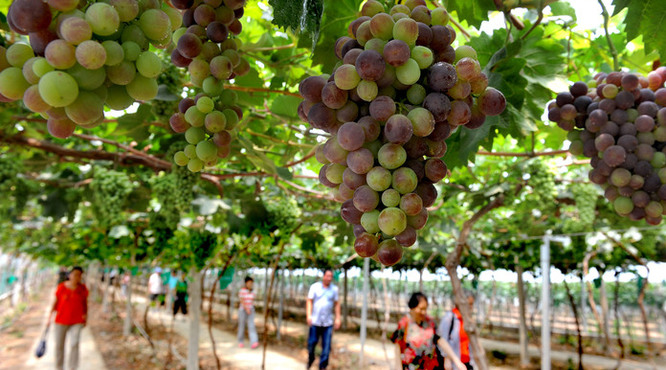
point(41, 347)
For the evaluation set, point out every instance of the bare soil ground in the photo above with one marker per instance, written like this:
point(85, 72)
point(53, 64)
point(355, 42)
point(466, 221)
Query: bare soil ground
point(17, 339)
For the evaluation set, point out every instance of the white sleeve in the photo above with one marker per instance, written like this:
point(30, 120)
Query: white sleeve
point(311, 293)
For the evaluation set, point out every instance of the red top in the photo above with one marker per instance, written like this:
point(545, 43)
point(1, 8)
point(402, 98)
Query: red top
point(71, 304)
point(464, 339)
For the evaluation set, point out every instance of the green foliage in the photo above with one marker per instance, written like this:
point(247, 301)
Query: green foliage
point(337, 16)
point(585, 196)
point(474, 12)
point(285, 213)
point(299, 15)
point(640, 24)
point(110, 190)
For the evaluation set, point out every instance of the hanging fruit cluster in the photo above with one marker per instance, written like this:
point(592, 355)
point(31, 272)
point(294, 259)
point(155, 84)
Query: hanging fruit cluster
point(84, 55)
point(619, 121)
point(206, 48)
point(400, 90)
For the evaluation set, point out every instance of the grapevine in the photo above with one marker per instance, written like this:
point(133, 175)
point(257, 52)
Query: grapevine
point(205, 46)
point(83, 56)
point(619, 121)
point(585, 196)
point(399, 91)
point(174, 193)
point(110, 190)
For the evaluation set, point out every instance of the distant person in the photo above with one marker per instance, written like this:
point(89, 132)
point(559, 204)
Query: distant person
point(416, 337)
point(62, 275)
point(321, 304)
point(71, 307)
point(246, 314)
point(124, 283)
point(453, 335)
point(156, 288)
point(180, 292)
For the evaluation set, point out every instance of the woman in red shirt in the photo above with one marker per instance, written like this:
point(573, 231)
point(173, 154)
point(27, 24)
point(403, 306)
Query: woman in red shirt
point(71, 307)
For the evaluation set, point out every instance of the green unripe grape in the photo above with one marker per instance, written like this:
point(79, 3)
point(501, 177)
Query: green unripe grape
point(57, 88)
point(206, 151)
point(623, 205)
point(181, 159)
point(17, 54)
point(658, 160)
point(41, 67)
point(190, 151)
point(194, 116)
point(131, 50)
point(369, 221)
point(194, 135)
point(367, 90)
point(391, 198)
point(195, 165)
point(118, 98)
point(610, 91)
point(149, 64)
point(439, 17)
point(392, 221)
point(416, 94)
point(465, 51)
point(346, 77)
point(423, 56)
point(215, 121)
point(142, 88)
point(103, 18)
point(407, 30)
point(212, 86)
point(12, 83)
point(115, 53)
point(408, 73)
point(334, 173)
point(177, 34)
point(232, 118)
point(205, 104)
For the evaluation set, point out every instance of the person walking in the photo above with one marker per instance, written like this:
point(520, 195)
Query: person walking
point(156, 288)
point(180, 291)
point(320, 306)
point(416, 337)
point(454, 342)
point(246, 314)
point(71, 308)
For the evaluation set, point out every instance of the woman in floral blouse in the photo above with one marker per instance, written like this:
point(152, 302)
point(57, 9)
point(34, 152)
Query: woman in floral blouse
point(416, 337)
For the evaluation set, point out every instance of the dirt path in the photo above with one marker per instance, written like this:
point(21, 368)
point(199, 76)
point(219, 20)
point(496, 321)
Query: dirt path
point(18, 339)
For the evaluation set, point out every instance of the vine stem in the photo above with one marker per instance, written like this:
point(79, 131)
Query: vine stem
point(613, 51)
point(262, 90)
point(513, 154)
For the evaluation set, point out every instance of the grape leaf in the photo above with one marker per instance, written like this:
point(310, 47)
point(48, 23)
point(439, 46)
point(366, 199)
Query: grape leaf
point(289, 14)
point(474, 12)
point(286, 105)
point(646, 18)
point(562, 8)
point(337, 16)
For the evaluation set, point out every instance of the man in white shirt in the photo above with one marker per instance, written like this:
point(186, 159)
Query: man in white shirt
point(322, 302)
point(155, 287)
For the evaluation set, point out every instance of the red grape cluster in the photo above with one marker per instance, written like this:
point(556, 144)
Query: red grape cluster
point(83, 55)
point(205, 46)
point(397, 94)
point(619, 121)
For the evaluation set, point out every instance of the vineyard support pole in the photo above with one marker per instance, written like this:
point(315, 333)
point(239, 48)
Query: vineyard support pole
point(364, 310)
point(545, 303)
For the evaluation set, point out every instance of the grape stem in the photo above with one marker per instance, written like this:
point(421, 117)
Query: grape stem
point(271, 48)
point(613, 51)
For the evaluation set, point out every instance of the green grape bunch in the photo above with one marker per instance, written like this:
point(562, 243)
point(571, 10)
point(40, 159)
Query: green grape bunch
point(542, 182)
point(110, 191)
point(83, 56)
